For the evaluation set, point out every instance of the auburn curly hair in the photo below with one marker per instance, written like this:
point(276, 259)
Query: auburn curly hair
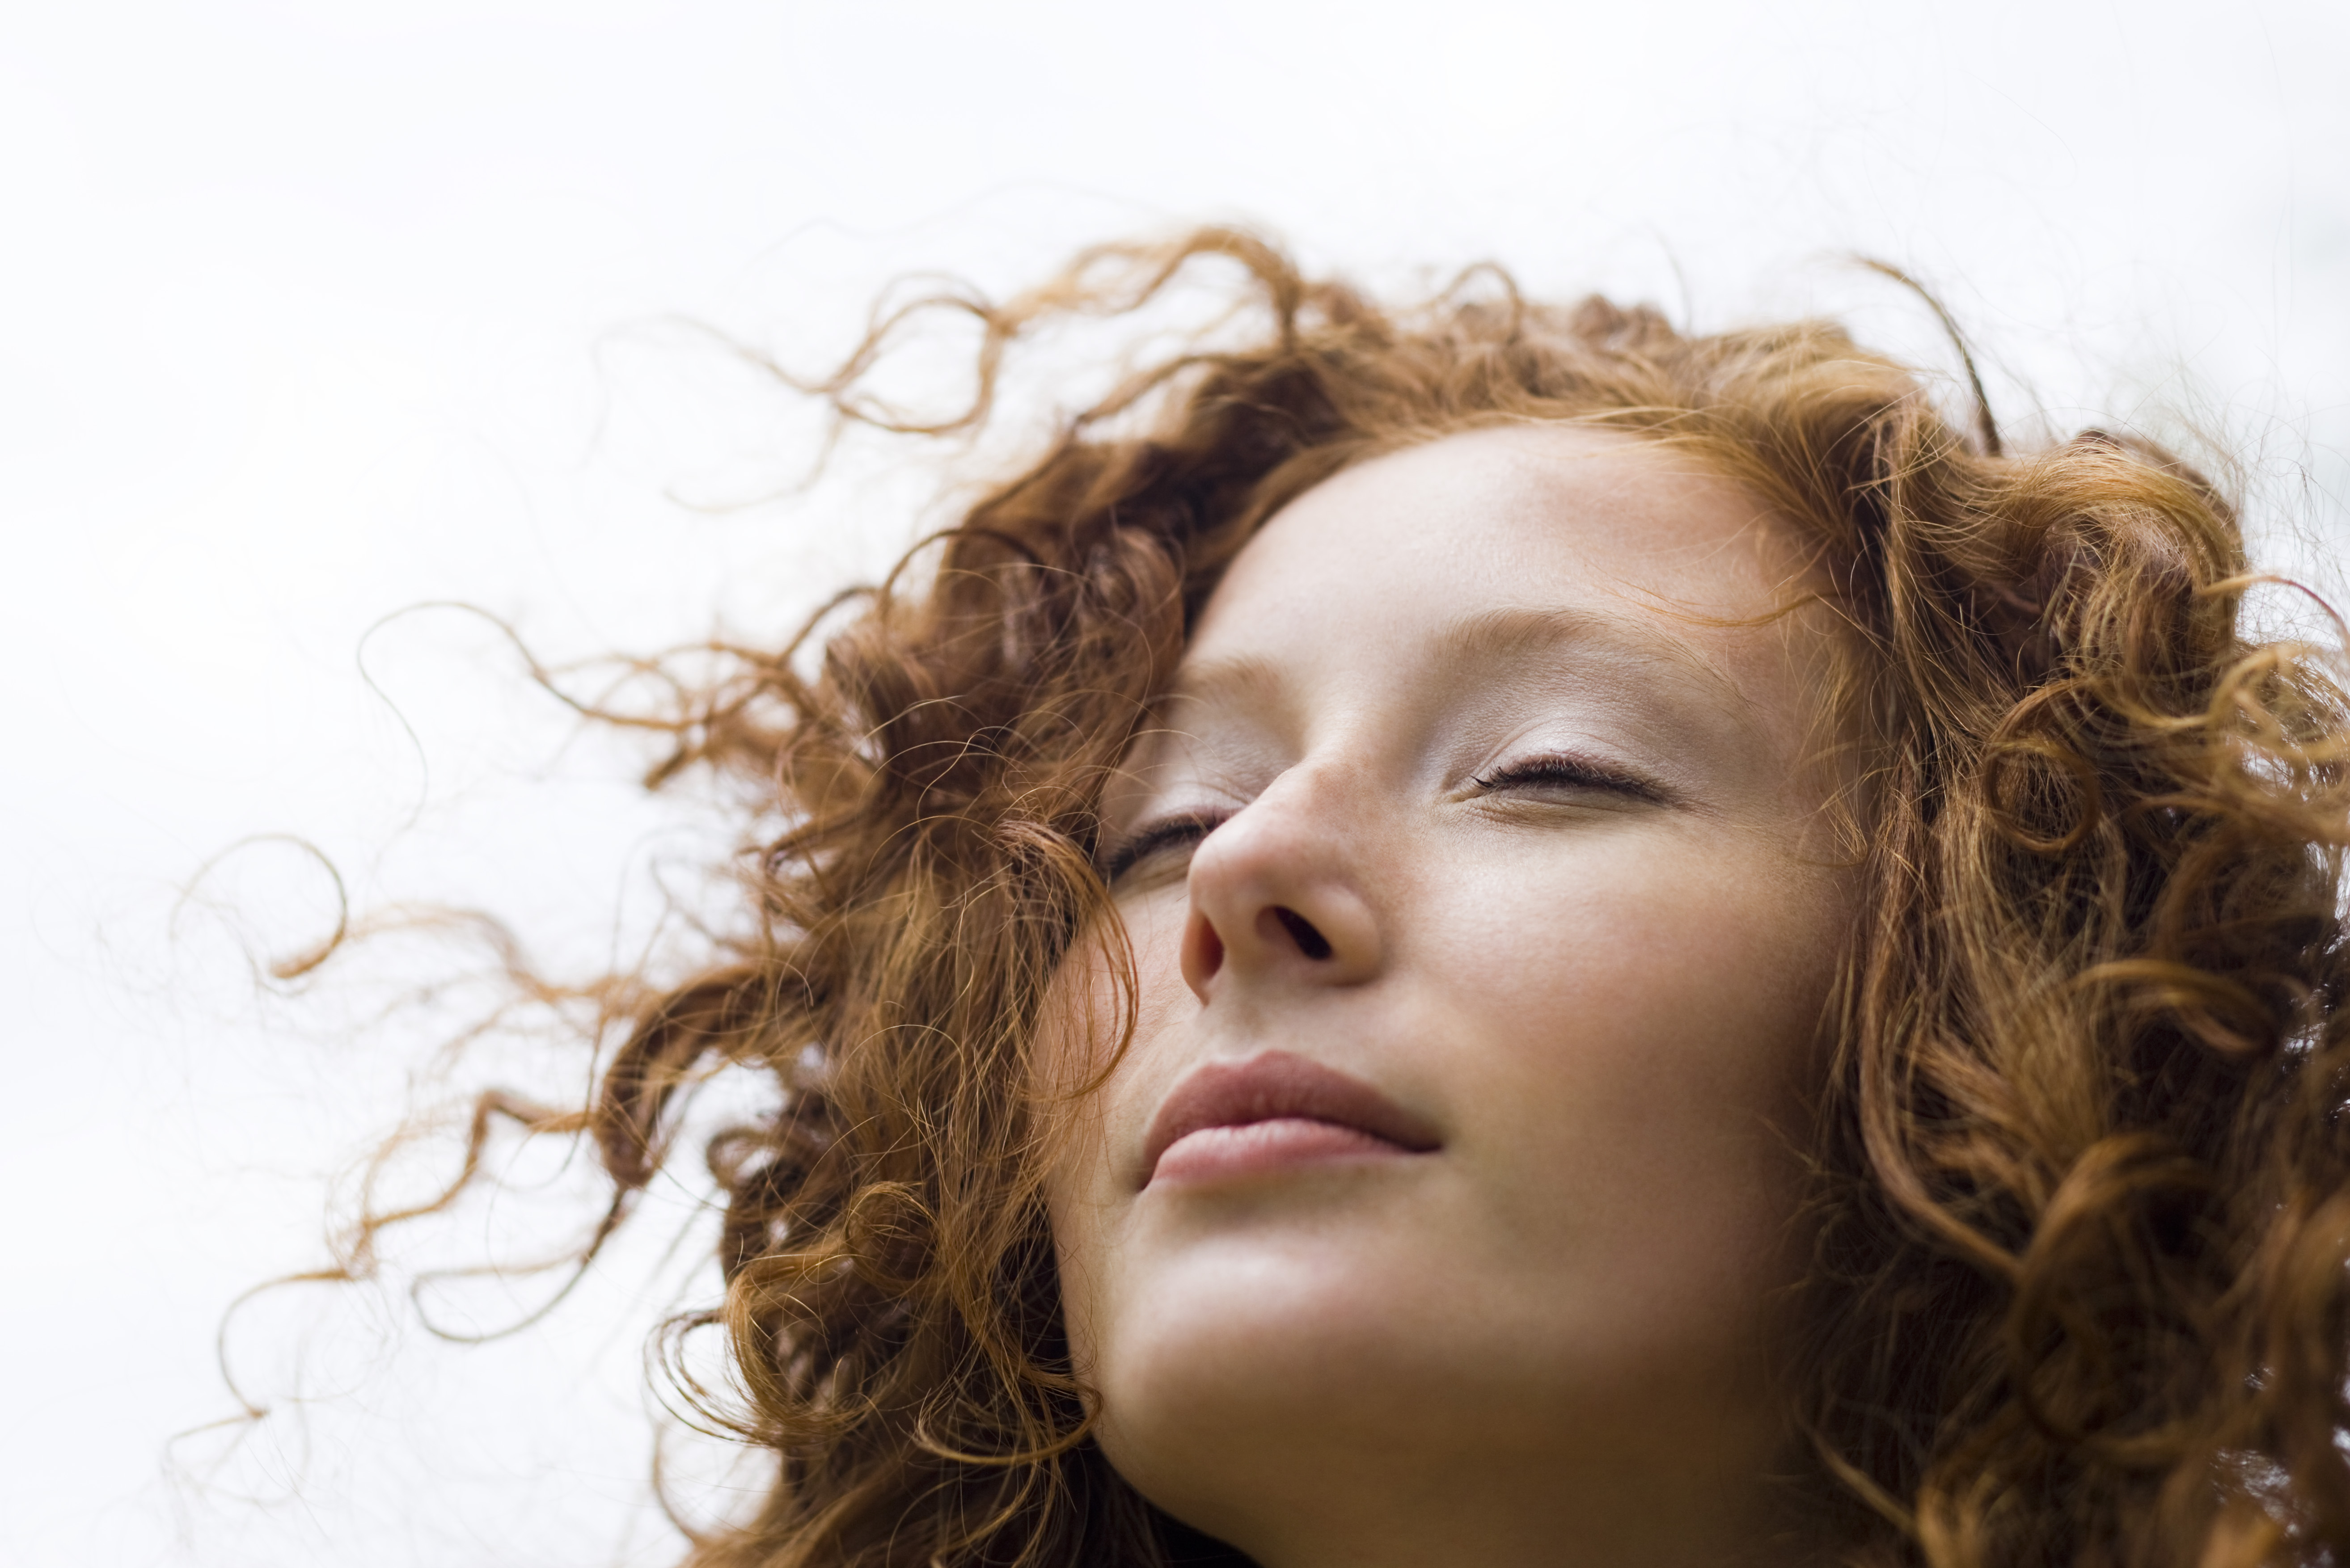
point(2081, 1175)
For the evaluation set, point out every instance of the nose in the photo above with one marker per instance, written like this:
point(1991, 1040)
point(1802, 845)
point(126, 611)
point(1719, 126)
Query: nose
point(1277, 893)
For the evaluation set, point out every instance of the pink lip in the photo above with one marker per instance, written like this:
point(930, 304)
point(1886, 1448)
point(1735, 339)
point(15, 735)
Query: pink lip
point(1274, 1110)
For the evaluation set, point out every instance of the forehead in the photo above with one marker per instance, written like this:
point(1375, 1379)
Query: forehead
point(1627, 537)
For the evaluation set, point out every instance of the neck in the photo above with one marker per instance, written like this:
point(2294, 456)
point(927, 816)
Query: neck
point(1464, 1502)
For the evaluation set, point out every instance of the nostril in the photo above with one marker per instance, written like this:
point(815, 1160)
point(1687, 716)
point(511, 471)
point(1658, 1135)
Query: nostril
point(1203, 954)
point(1310, 942)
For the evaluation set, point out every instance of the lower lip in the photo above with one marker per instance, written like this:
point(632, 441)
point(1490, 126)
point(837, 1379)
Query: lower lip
point(1256, 1148)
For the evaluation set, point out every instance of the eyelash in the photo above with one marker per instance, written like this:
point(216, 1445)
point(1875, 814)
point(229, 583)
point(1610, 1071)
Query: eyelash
point(1575, 771)
point(1162, 834)
point(1556, 770)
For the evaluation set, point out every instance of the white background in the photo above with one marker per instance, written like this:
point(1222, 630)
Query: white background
point(312, 314)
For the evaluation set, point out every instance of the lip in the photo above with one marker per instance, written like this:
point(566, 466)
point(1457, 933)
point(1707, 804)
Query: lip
point(1271, 1110)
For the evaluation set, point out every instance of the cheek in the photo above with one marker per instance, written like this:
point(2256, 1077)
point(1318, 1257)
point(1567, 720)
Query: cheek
point(1662, 1014)
point(1087, 1090)
point(1078, 1018)
point(1665, 963)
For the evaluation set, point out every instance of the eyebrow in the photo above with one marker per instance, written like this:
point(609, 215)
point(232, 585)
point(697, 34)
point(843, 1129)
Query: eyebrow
point(1512, 632)
point(1501, 635)
point(1240, 680)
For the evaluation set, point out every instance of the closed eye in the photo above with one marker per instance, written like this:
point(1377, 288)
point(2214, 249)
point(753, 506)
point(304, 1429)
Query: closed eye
point(1567, 773)
point(1157, 837)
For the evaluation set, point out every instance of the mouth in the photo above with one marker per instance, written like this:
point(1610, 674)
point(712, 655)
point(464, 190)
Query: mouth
point(1273, 1111)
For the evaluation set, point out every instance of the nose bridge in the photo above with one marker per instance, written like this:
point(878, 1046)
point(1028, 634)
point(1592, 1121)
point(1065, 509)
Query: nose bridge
point(1307, 795)
point(1279, 893)
point(1302, 829)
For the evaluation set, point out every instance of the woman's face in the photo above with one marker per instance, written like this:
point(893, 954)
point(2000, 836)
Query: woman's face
point(1484, 914)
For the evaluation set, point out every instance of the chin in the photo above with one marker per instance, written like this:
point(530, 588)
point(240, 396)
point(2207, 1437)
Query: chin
point(1273, 1345)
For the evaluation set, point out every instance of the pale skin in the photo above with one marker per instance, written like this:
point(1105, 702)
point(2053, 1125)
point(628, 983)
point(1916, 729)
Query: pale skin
point(1457, 798)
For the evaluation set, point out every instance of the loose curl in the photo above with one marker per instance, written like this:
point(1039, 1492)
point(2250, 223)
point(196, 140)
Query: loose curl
point(2081, 1196)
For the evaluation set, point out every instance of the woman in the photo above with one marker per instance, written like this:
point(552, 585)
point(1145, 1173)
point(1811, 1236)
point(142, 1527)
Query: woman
point(1492, 934)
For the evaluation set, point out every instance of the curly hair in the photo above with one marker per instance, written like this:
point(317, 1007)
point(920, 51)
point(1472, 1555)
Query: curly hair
point(2080, 1179)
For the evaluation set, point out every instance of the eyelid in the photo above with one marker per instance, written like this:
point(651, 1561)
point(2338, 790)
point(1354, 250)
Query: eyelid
point(1570, 769)
point(1154, 835)
point(1118, 858)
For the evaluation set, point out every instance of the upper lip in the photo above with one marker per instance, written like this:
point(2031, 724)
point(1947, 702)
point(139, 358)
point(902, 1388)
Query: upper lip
point(1275, 1085)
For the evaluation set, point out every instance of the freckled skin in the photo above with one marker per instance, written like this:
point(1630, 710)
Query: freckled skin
point(1600, 980)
